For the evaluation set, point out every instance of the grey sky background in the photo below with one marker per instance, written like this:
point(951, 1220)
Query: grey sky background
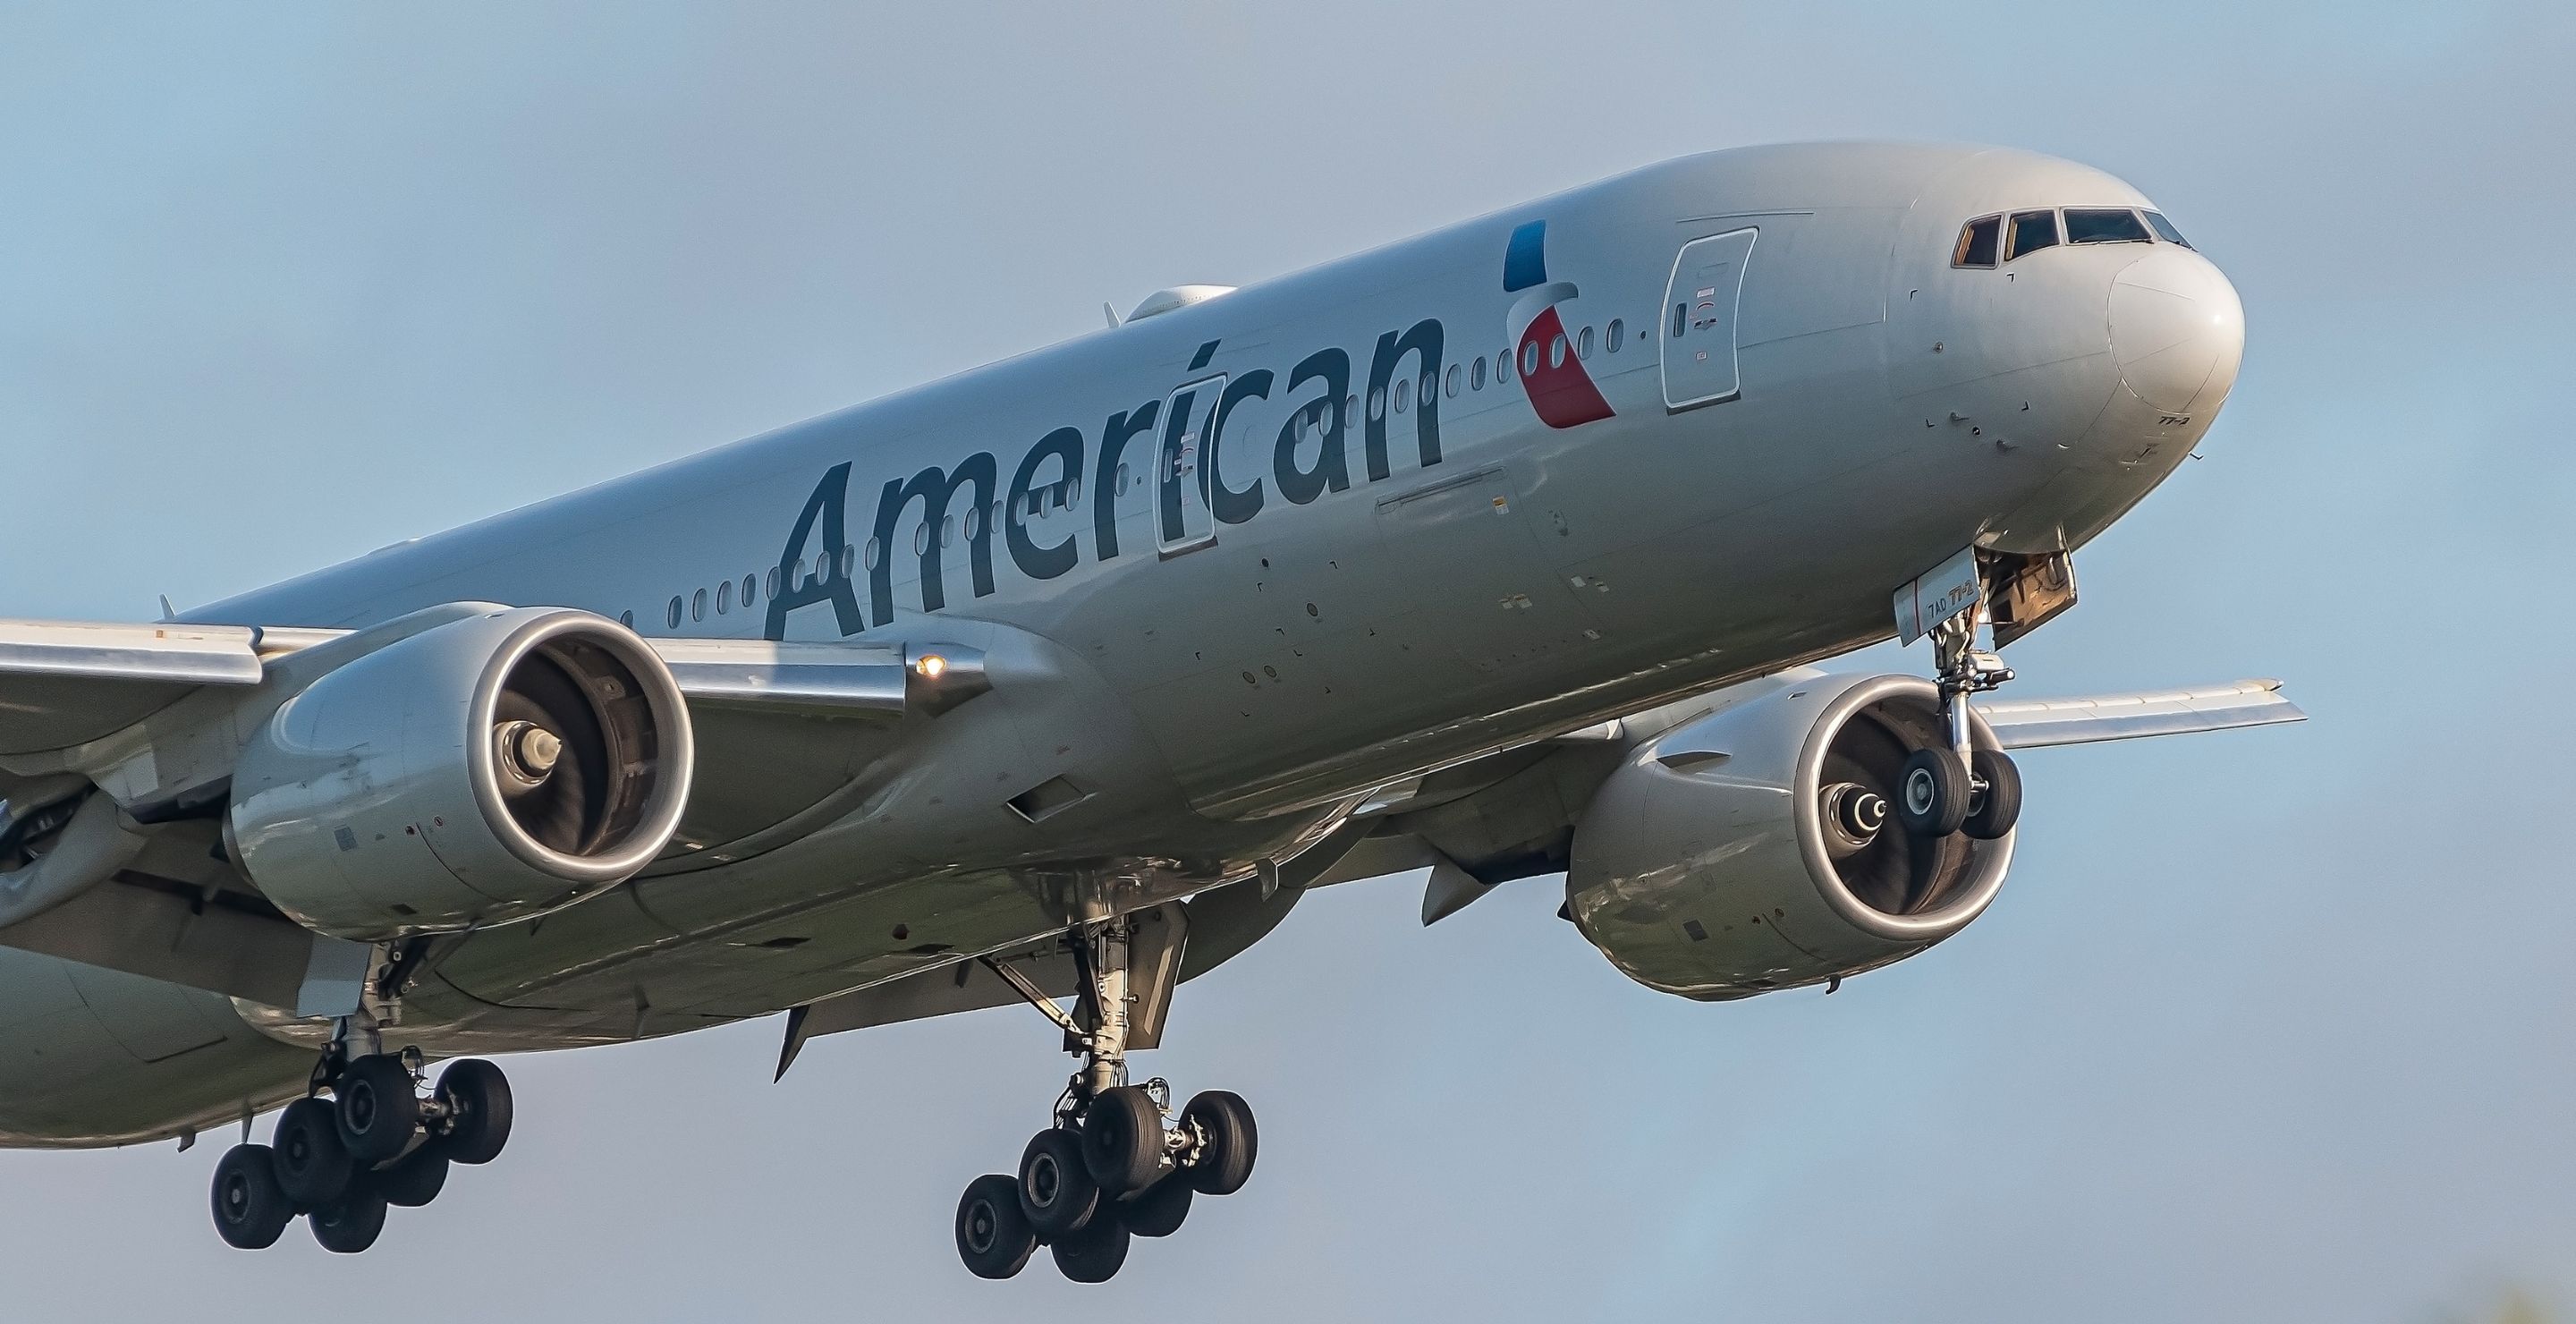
point(2267, 1026)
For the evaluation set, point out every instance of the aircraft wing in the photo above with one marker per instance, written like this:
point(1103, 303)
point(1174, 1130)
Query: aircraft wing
point(64, 683)
point(1512, 814)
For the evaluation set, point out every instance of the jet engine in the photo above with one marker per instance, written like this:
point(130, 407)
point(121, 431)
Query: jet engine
point(1754, 847)
point(488, 768)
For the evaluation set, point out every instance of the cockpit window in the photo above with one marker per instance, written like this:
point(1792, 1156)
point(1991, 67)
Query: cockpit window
point(2165, 229)
point(1977, 242)
point(2031, 232)
point(2103, 225)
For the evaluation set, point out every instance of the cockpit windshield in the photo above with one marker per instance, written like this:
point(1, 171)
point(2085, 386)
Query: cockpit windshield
point(1990, 241)
point(2104, 225)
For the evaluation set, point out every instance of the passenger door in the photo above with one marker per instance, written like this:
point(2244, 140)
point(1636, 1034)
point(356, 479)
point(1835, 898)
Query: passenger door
point(1182, 519)
point(1699, 320)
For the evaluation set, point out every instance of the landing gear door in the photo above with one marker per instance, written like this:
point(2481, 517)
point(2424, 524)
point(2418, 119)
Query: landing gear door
point(1182, 520)
point(1699, 320)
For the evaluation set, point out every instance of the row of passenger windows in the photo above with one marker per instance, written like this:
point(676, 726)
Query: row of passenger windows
point(2024, 232)
point(728, 597)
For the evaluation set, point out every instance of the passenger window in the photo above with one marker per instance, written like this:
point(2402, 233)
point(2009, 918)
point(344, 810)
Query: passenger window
point(947, 529)
point(2031, 232)
point(698, 606)
point(675, 613)
point(921, 539)
point(724, 597)
point(1377, 402)
point(1073, 492)
point(1556, 351)
point(773, 581)
point(1403, 394)
point(750, 585)
point(1612, 335)
point(1529, 359)
point(2104, 225)
point(1476, 374)
point(974, 521)
point(1977, 242)
point(822, 565)
point(1122, 479)
point(2165, 229)
point(1457, 379)
point(1429, 387)
point(1350, 409)
point(875, 553)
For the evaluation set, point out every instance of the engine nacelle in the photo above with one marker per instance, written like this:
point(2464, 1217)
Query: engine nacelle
point(482, 770)
point(1751, 848)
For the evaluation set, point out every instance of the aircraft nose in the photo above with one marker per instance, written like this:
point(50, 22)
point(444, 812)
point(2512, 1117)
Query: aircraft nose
point(2177, 330)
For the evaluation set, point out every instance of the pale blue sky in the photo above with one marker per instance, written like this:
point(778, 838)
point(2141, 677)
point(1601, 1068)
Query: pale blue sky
point(2267, 1026)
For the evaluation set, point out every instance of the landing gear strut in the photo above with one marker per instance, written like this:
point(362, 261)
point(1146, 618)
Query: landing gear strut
point(373, 1142)
point(1960, 788)
point(1116, 1163)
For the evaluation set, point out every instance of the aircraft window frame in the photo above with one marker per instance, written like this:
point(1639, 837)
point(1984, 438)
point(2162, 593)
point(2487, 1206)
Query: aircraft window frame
point(1963, 253)
point(1556, 350)
point(1614, 335)
point(724, 597)
point(1072, 492)
point(698, 605)
point(1583, 343)
point(2109, 215)
point(1529, 358)
point(773, 581)
point(750, 586)
point(1403, 395)
point(675, 611)
point(2164, 228)
point(874, 553)
point(1377, 402)
point(2013, 251)
point(921, 538)
point(849, 557)
point(1350, 409)
point(1476, 374)
point(823, 564)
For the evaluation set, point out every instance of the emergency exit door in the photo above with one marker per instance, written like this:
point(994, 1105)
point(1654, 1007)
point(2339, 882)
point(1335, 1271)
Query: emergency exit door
point(1699, 320)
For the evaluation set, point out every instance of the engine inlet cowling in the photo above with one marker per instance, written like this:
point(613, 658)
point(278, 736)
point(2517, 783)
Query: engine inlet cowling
point(480, 770)
point(1756, 847)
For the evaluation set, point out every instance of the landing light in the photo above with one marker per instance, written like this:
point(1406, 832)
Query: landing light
point(931, 666)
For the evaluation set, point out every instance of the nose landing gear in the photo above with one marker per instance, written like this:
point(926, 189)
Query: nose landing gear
point(1117, 1163)
point(1960, 788)
point(374, 1142)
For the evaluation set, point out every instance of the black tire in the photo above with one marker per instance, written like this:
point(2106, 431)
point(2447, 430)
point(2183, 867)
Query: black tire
point(351, 1223)
point(993, 1234)
point(251, 1209)
point(1093, 1254)
point(1225, 1162)
point(1056, 1190)
point(1932, 793)
point(313, 1167)
point(477, 1097)
point(1159, 1209)
point(414, 1181)
point(1122, 1141)
point(1999, 805)
point(377, 1108)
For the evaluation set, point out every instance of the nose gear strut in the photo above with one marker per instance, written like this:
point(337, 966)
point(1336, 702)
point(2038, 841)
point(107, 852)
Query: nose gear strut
point(1960, 788)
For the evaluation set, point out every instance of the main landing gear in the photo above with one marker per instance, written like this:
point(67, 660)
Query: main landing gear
point(374, 1142)
point(1117, 1164)
point(1960, 788)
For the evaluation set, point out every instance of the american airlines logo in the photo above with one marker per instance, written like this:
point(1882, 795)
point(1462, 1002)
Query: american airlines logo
point(1559, 387)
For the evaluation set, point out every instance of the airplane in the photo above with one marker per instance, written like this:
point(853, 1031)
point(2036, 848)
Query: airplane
point(1503, 551)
